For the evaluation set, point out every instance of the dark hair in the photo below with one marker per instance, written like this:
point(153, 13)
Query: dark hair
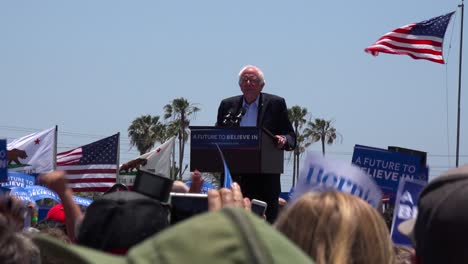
point(120, 220)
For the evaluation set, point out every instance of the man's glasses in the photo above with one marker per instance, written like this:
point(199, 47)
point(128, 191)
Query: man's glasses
point(252, 79)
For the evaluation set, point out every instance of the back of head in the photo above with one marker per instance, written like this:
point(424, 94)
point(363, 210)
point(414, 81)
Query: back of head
point(335, 227)
point(119, 220)
point(14, 247)
point(441, 227)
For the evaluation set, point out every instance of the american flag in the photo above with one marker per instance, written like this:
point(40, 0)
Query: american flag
point(421, 40)
point(91, 167)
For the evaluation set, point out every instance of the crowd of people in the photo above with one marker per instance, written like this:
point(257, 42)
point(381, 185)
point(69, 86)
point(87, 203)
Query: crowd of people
point(326, 226)
point(319, 227)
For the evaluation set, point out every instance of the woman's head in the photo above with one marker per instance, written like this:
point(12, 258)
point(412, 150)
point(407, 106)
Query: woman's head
point(335, 227)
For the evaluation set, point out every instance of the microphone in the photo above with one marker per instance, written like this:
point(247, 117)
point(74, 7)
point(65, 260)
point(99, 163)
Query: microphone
point(228, 118)
point(238, 117)
point(241, 113)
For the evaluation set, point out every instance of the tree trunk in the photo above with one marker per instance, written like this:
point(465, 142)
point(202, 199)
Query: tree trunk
point(294, 168)
point(297, 169)
point(323, 146)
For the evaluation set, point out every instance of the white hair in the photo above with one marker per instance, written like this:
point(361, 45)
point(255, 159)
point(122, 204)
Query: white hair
point(259, 72)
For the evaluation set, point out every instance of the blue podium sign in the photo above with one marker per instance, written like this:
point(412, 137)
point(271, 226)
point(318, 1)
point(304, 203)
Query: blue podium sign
point(235, 138)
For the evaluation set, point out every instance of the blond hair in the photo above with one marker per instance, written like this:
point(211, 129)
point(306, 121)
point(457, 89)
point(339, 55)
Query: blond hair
point(338, 228)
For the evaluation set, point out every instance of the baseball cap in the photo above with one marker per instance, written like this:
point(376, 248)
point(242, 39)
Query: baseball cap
point(118, 220)
point(210, 237)
point(440, 231)
point(56, 213)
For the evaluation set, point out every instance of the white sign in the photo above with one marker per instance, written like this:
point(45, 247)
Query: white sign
point(319, 173)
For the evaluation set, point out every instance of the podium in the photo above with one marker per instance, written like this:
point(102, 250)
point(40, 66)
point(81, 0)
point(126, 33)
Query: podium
point(249, 150)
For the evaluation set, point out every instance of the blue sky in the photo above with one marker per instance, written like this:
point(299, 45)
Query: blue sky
point(91, 67)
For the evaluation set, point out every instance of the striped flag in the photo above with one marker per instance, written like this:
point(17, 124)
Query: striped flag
point(91, 167)
point(421, 40)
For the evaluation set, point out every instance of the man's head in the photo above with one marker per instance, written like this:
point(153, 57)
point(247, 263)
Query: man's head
point(441, 228)
point(119, 220)
point(251, 82)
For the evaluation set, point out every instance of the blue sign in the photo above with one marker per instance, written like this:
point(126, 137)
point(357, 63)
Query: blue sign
point(388, 167)
point(82, 201)
point(17, 179)
point(22, 194)
point(245, 137)
point(406, 207)
point(40, 192)
point(3, 161)
point(205, 187)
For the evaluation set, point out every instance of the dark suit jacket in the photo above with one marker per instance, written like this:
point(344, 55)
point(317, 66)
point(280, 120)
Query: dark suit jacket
point(272, 115)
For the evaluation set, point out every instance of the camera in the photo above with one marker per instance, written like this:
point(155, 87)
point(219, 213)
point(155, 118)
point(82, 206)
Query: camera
point(153, 185)
point(185, 205)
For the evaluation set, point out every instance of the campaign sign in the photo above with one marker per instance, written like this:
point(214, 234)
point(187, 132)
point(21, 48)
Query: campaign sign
point(406, 207)
point(82, 201)
point(321, 174)
point(17, 179)
point(388, 167)
point(240, 137)
point(22, 194)
point(3, 161)
point(40, 192)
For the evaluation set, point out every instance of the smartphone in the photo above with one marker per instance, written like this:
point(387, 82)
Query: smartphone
point(259, 207)
point(186, 205)
point(153, 185)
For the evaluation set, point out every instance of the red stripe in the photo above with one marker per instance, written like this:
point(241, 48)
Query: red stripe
point(402, 30)
point(91, 180)
point(417, 50)
point(413, 41)
point(91, 189)
point(66, 152)
point(70, 162)
point(91, 171)
point(374, 50)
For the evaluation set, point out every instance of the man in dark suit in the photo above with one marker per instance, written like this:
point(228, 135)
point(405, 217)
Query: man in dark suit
point(261, 110)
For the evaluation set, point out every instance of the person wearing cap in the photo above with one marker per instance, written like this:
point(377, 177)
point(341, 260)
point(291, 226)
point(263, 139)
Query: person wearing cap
point(119, 220)
point(440, 230)
point(262, 110)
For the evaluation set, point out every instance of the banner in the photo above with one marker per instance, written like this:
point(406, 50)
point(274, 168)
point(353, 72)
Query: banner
point(319, 174)
point(388, 167)
point(82, 201)
point(3, 161)
point(22, 194)
point(33, 153)
point(37, 192)
point(406, 207)
point(16, 179)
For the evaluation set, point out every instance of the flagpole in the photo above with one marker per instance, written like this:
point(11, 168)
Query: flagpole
point(459, 85)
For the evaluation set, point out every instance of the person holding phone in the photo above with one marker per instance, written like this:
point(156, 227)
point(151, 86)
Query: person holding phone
point(263, 110)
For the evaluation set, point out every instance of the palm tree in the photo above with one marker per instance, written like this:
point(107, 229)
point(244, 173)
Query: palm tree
point(144, 132)
point(322, 130)
point(297, 116)
point(180, 111)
